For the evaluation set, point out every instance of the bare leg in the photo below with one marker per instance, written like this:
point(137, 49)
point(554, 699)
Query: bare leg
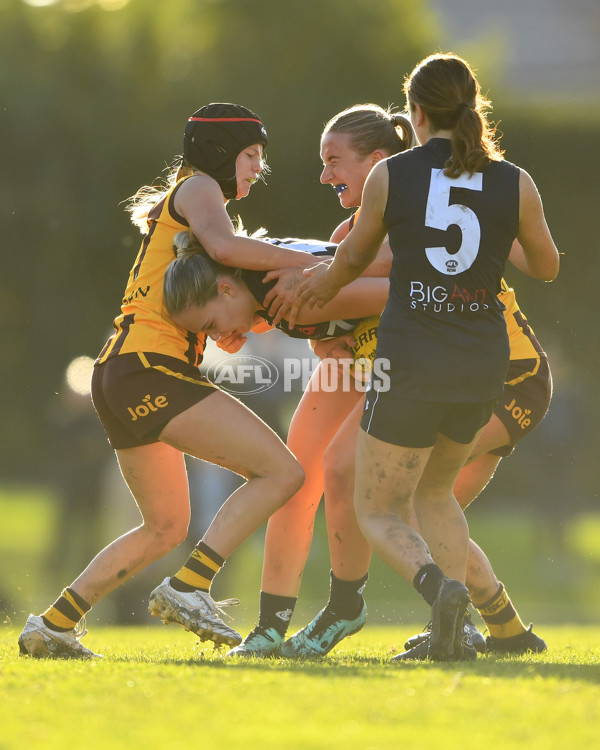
point(218, 429)
point(493, 436)
point(386, 478)
point(487, 593)
point(507, 631)
point(349, 550)
point(224, 432)
point(289, 532)
point(473, 478)
point(440, 517)
point(480, 577)
point(156, 475)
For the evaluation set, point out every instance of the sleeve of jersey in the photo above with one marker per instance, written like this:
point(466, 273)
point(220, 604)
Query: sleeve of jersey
point(314, 247)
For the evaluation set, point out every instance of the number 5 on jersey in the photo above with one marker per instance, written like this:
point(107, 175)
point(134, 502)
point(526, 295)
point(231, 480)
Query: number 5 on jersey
point(440, 214)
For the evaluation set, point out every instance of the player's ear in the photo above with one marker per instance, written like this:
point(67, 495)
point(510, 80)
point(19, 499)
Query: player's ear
point(377, 155)
point(226, 288)
point(419, 115)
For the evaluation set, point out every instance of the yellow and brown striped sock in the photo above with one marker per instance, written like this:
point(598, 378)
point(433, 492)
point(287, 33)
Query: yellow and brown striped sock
point(200, 569)
point(500, 616)
point(66, 611)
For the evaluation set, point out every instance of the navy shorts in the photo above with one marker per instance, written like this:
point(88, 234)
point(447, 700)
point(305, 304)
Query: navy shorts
point(523, 405)
point(416, 424)
point(136, 395)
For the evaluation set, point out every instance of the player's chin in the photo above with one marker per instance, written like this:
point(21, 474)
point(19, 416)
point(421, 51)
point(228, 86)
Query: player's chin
point(243, 190)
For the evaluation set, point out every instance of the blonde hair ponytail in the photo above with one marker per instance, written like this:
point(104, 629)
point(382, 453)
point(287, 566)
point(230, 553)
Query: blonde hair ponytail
point(373, 128)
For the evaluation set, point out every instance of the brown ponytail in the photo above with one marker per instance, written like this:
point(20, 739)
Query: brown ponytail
point(445, 88)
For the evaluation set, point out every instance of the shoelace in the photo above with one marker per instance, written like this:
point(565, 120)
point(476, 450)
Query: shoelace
point(226, 603)
point(80, 630)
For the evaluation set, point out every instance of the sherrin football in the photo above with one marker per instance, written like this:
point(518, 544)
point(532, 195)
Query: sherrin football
point(365, 336)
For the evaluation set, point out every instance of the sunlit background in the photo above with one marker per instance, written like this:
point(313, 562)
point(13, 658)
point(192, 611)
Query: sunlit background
point(93, 101)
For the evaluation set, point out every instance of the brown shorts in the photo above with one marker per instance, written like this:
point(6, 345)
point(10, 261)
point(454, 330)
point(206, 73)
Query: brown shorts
point(523, 406)
point(137, 394)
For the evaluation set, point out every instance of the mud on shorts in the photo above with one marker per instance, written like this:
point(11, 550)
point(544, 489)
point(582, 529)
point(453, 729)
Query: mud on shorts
point(136, 395)
point(525, 401)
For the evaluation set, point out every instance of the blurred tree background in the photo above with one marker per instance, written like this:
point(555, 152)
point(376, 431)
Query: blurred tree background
point(94, 98)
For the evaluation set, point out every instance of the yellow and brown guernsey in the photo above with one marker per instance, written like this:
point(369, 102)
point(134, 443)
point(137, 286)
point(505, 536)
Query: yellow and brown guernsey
point(143, 325)
point(524, 346)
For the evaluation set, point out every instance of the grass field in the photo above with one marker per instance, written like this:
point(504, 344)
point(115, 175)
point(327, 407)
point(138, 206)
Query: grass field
point(158, 687)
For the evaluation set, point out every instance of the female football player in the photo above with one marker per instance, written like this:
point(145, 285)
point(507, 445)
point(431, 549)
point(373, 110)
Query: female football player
point(451, 209)
point(524, 403)
point(155, 406)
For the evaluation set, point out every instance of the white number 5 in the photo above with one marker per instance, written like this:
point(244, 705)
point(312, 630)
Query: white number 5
point(440, 214)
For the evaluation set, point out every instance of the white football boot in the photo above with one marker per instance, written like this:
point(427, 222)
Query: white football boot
point(195, 611)
point(41, 642)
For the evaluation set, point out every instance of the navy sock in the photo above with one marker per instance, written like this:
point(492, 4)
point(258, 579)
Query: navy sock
point(428, 582)
point(346, 597)
point(276, 611)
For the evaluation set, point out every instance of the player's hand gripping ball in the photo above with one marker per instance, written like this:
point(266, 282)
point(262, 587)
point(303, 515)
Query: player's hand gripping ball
point(365, 335)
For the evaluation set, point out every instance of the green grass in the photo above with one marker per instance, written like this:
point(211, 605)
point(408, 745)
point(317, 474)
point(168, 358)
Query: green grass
point(158, 687)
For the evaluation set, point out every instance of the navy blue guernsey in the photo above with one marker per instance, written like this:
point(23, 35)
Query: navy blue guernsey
point(326, 330)
point(443, 329)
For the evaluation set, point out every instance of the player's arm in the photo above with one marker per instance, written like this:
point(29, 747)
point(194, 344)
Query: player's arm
point(200, 201)
point(518, 259)
point(382, 264)
point(363, 297)
point(358, 249)
point(539, 256)
point(341, 231)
